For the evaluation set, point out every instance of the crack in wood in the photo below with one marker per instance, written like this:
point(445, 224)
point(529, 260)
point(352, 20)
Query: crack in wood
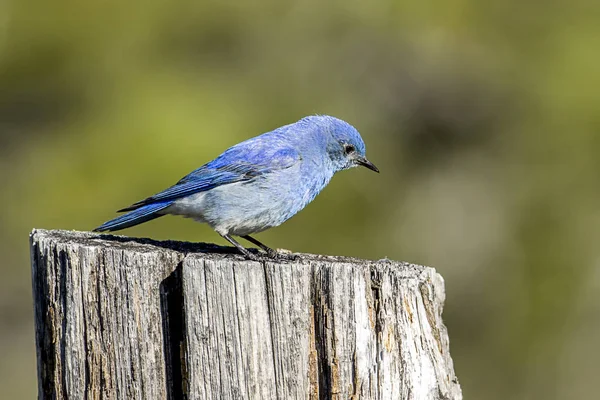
point(171, 299)
point(375, 280)
point(320, 305)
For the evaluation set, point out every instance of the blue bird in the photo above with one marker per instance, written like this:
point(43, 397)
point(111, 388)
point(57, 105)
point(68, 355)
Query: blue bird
point(259, 183)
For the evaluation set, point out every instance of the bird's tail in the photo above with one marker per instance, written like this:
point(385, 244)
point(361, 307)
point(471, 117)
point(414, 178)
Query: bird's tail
point(135, 217)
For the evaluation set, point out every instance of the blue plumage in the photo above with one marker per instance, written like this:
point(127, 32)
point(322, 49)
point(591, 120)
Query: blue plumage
point(139, 215)
point(259, 183)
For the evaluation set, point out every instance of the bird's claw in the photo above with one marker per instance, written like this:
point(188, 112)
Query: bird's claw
point(281, 256)
point(270, 256)
point(251, 256)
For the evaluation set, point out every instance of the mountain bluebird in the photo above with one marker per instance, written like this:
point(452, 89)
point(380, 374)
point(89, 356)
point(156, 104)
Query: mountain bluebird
point(259, 183)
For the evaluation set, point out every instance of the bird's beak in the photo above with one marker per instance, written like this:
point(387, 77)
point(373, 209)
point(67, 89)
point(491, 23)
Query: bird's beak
point(366, 163)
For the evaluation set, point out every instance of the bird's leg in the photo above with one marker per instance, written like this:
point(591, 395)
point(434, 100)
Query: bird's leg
point(241, 248)
point(270, 252)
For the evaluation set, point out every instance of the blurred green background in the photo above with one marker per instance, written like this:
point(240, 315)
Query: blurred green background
point(482, 116)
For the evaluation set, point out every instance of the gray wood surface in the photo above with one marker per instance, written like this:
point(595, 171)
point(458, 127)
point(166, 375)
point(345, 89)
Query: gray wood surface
point(120, 318)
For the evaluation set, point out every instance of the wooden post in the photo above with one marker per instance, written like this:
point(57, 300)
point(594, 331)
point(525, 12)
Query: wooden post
point(121, 317)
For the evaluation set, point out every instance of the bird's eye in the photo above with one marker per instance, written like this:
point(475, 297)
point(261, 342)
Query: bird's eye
point(348, 149)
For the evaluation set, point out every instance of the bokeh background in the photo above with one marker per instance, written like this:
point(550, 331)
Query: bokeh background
point(482, 116)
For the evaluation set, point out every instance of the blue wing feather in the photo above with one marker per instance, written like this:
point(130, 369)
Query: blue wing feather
point(142, 214)
point(240, 163)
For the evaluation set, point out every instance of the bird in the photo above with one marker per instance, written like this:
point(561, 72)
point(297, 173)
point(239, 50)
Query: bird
point(257, 184)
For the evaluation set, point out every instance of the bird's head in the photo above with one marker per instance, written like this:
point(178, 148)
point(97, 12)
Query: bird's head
point(345, 147)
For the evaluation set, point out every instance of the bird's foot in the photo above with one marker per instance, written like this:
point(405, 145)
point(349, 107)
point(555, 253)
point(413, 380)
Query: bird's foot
point(250, 256)
point(284, 255)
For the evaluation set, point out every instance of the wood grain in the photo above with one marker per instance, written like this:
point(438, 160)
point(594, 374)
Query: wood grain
point(122, 318)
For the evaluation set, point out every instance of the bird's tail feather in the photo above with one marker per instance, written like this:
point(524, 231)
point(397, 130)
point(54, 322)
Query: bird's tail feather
point(142, 214)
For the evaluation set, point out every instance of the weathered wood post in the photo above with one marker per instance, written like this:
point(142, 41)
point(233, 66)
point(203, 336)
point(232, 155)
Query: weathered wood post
point(120, 318)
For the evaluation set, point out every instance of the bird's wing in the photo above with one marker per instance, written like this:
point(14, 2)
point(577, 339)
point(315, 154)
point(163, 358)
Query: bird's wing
point(235, 165)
